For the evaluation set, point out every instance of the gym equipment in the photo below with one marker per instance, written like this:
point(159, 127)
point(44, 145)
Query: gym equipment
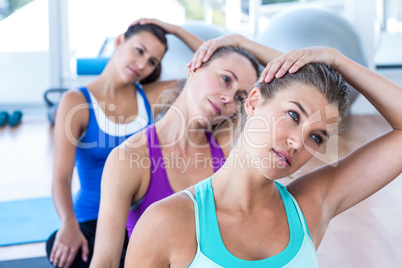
point(91, 66)
point(15, 118)
point(3, 118)
point(36, 262)
point(299, 27)
point(27, 221)
point(53, 102)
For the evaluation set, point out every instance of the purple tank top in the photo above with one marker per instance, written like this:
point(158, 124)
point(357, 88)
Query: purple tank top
point(159, 186)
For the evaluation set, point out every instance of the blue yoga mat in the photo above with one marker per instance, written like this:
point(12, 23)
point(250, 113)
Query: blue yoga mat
point(39, 262)
point(27, 221)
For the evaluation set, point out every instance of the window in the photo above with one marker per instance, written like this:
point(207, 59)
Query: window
point(24, 58)
point(393, 16)
point(389, 38)
point(7, 7)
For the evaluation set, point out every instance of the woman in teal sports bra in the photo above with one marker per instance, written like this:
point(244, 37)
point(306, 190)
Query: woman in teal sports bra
point(241, 216)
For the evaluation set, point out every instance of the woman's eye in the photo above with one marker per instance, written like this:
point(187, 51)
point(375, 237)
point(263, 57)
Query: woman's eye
point(239, 98)
point(140, 51)
point(295, 116)
point(317, 138)
point(152, 63)
point(226, 79)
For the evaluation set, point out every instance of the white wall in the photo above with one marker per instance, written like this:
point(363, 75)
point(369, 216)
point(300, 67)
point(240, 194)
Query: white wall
point(362, 106)
point(24, 77)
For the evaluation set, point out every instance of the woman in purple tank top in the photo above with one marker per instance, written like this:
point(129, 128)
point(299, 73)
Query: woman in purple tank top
point(178, 151)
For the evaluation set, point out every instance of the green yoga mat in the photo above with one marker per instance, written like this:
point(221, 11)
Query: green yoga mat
point(27, 221)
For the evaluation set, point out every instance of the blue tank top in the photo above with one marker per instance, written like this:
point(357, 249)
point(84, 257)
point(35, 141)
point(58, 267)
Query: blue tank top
point(212, 253)
point(94, 147)
point(159, 186)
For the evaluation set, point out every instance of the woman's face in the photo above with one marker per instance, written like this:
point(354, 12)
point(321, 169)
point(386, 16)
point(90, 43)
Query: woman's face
point(216, 89)
point(286, 131)
point(138, 56)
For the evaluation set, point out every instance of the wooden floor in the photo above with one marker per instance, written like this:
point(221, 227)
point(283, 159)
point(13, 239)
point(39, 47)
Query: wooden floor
point(368, 235)
point(26, 159)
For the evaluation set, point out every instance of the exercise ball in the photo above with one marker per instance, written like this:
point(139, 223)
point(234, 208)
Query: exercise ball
point(300, 27)
point(178, 55)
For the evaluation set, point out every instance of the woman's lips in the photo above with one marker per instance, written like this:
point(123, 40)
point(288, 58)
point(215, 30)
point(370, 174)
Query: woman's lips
point(134, 72)
point(283, 157)
point(215, 107)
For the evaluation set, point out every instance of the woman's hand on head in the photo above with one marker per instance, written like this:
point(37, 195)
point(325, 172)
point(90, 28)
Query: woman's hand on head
point(208, 48)
point(167, 27)
point(292, 61)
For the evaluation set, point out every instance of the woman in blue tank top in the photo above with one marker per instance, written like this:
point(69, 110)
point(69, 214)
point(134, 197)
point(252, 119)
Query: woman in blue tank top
point(93, 120)
point(241, 216)
point(178, 151)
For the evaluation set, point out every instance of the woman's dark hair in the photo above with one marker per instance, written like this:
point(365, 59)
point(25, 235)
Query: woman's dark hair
point(160, 34)
point(229, 49)
point(167, 98)
point(328, 81)
point(321, 76)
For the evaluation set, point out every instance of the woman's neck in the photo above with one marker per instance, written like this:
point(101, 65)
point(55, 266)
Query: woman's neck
point(175, 128)
point(241, 184)
point(109, 85)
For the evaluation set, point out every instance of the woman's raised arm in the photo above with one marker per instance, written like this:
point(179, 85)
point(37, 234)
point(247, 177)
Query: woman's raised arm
point(373, 165)
point(262, 53)
point(191, 40)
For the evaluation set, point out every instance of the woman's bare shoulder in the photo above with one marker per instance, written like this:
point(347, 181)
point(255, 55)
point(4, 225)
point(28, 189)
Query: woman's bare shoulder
point(131, 158)
point(137, 143)
point(179, 204)
point(173, 215)
point(74, 96)
point(170, 224)
point(73, 110)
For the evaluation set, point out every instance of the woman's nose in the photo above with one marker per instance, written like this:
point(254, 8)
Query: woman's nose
point(141, 63)
point(296, 142)
point(224, 99)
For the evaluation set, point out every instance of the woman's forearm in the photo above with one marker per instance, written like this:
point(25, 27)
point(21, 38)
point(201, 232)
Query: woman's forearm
point(262, 53)
point(61, 192)
point(385, 95)
point(191, 40)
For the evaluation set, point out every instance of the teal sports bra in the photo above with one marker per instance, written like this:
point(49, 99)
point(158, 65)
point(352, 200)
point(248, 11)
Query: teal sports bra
point(212, 253)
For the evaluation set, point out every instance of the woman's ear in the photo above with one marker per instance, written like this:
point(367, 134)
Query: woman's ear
point(119, 40)
point(252, 101)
